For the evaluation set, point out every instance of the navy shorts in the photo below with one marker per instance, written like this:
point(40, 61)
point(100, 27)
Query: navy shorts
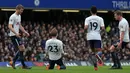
point(53, 62)
point(16, 41)
point(94, 44)
point(124, 44)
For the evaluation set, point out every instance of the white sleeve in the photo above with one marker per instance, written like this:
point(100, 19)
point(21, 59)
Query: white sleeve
point(102, 22)
point(86, 21)
point(122, 27)
point(11, 20)
point(20, 19)
point(46, 47)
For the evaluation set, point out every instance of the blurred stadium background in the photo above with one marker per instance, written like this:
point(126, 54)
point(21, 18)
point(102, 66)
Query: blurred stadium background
point(68, 17)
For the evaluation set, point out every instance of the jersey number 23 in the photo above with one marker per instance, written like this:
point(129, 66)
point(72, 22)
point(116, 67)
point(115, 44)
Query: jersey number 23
point(53, 48)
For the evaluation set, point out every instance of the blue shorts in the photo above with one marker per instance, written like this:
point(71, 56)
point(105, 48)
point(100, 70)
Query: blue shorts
point(124, 44)
point(16, 41)
point(95, 44)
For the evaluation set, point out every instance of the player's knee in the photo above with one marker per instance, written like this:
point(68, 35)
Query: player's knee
point(21, 48)
point(99, 53)
point(99, 49)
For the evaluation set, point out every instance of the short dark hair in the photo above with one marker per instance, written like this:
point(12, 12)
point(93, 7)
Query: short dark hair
point(93, 9)
point(19, 6)
point(53, 32)
point(118, 12)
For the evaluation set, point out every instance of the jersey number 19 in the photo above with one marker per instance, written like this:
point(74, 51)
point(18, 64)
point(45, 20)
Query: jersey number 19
point(93, 25)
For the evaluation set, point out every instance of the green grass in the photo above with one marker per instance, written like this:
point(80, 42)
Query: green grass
point(77, 69)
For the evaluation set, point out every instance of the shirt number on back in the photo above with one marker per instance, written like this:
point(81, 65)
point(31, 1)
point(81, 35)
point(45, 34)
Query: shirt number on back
point(94, 25)
point(53, 48)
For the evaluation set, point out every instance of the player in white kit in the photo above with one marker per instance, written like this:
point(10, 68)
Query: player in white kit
point(14, 26)
point(123, 40)
point(54, 49)
point(93, 24)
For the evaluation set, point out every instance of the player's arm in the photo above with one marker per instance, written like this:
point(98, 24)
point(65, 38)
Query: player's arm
point(86, 24)
point(86, 27)
point(10, 25)
point(102, 24)
point(62, 49)
point(46, 49)
point(122, 31)
point(22, 29)
point(121, 36)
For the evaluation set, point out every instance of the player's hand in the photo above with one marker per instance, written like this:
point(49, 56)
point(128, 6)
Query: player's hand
point(119, 45)
point(65, 54)
point(27, 34)
point(128, 53)
point(18, 35)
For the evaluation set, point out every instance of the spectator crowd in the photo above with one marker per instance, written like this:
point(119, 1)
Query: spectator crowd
point(72, 35)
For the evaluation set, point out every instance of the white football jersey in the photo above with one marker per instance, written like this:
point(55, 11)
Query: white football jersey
point(124, 26)
point(94, 23)
point(15, 20)
point(54, 48)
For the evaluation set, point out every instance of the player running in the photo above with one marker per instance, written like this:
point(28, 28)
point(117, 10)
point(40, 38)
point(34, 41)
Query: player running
point(54, 49)
point(14, 26)
point(123, 40)
point(93, 24)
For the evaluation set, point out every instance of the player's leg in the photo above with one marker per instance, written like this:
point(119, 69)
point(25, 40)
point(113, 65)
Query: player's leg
point(51, 64)
point(92, 56)
point(13, 39)
point(118, 62)
point(21, 51)
point(115, 58)
point(16, 57)
point(60, 64)
point(113, 54)
point(98, 45)
point(124, 45)
point(128, 47)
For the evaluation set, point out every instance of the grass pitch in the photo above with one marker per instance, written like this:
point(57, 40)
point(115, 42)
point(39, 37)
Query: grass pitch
point(76, 69)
